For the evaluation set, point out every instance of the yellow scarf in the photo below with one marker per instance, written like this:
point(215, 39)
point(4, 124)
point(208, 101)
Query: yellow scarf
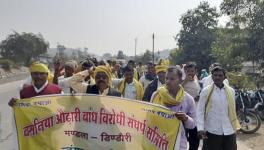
point(139, 88)
point(231, 106)
point(135, 74)
point(164, 98)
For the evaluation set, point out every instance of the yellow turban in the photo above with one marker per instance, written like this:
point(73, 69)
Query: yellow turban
point(161, 68)
point(39, 67)
point(104, 69)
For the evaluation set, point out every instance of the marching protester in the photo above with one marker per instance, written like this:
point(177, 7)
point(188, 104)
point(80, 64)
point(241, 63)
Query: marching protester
point(40, 85)
point(209, 80)
point(156, 83)
point(117, 71)
point(140, 69)
point(192, 87)
point(176, 99)
point(87, 65)
point(70, 68)
point(132, 64)
point(102, 86)
point(28, 80)
point(149, 76)
point(217, 121)
point(129, 86)
point(203, 74)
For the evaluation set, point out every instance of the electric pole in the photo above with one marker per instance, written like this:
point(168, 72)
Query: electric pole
point(153, 48)
point(135, 48)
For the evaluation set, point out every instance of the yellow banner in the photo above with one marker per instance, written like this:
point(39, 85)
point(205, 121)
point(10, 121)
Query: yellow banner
point(89, 122)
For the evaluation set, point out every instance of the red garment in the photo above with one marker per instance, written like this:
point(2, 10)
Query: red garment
point(28, 91)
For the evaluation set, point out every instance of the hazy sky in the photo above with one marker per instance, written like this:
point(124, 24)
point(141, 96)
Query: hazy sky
point(101, 25)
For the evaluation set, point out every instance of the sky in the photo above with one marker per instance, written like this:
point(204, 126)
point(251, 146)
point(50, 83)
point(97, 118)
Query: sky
point(103, 26)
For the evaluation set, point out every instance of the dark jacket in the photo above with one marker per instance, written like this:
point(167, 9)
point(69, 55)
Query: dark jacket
point(93, 89)
point(151, 88)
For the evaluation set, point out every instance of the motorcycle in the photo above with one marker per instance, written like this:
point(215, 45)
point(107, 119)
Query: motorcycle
point(258, 102)
point(248, 118)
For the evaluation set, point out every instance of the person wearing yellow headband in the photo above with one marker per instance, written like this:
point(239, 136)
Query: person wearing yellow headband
point(40, 85)
point(156, 83)
point(176, 99)
point(102, 84)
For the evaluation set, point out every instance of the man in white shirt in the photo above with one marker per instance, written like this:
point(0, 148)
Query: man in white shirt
point(69, 69)
point(216, 114)
point(129, 87)
point(192, 87)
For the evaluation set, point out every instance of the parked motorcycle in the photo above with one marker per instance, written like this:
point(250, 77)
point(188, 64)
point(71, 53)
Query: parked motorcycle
point(248, 118)
point(257, 102)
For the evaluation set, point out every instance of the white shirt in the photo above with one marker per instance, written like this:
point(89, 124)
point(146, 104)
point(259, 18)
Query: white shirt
point(145, 82)
point(209, 80)
point(192, 88)
point(217, 121)
point(130, 91)
point(159, 84)
point(64, 84)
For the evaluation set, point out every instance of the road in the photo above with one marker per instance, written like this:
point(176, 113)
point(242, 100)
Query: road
point(8, 136)
point(7, 131)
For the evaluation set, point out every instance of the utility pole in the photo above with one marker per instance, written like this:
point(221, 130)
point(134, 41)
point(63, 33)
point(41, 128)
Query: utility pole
point(135, 48)
point(153, 48)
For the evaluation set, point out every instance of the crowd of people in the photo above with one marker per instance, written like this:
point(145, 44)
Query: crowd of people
point(205, 105)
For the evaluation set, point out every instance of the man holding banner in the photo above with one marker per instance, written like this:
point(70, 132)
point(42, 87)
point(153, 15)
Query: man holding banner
point(40, 86)
point(176, 99)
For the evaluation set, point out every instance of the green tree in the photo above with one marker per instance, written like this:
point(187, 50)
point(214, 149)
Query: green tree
point(74, 56)
point(256, 34)
point(230, 47)
point(21, 48)
point(80, 54)
point(197, 35)
point(61, 53)
point(120, 55)
point(239, 11)
point(147, 57)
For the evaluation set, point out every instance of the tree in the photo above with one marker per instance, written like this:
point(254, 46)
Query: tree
point(147, 57)
point(61, 53)
point(197, 35)
point(80, 54)
point(248, 14)
point(85, 51)
point(107, 56)
point(230, 47)
point(74, 56)
point(239, 11)
point(120, 55)
point(21, 48)
point(256, 34)
point(61, 49)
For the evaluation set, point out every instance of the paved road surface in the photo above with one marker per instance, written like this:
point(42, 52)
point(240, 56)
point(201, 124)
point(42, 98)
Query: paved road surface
point(7, 132)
